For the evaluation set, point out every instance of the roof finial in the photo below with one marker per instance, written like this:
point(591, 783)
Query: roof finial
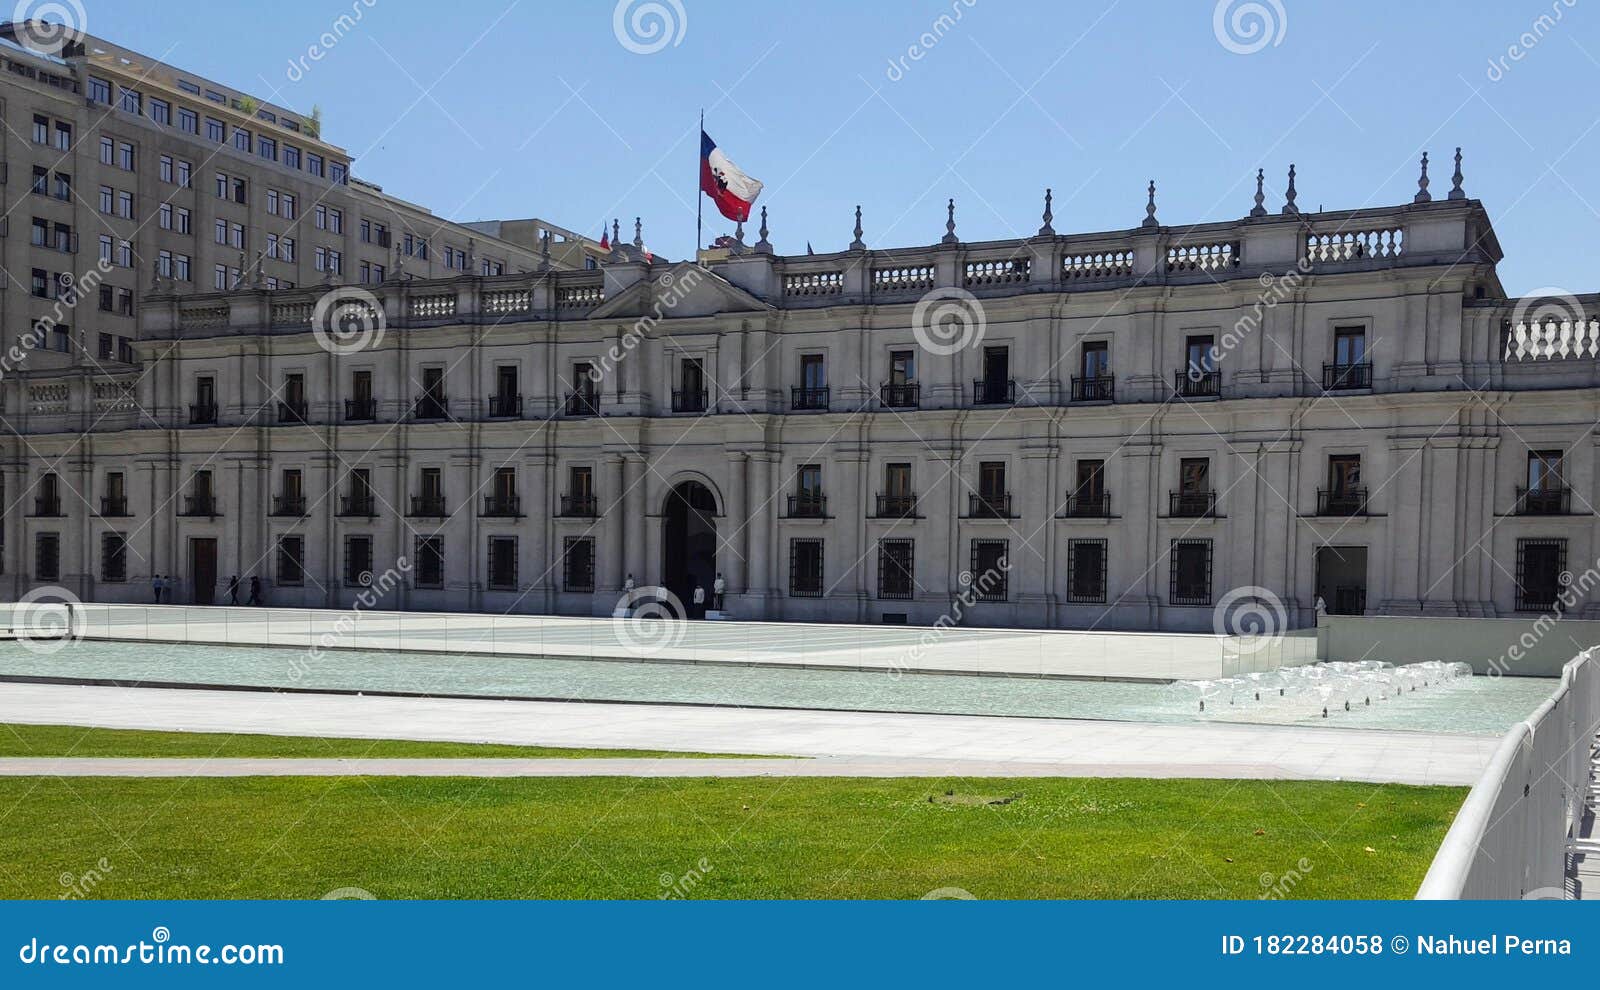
point(950, 225)
point(544, 251)
point(1049, 217)
point(1423, 196)
point(638, 232)
point(1150, 208)
point(616, 234)
point(764, 246)
point(1260, 209)
point(1456, 192)
point(858, 244)
point(1290, 194)
point(738, 238)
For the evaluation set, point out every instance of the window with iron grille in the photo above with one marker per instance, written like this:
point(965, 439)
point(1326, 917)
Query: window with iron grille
point(1540, 565)
point(805, 568)
point(113, 558)
point(503, 563)
point(991, 570)
point(1086, 570)
point(291, 560)
point(47, 557)
point(1191, 572)
point(358, 561)
point(430, 562)
point(577, 564)
point(896, 567)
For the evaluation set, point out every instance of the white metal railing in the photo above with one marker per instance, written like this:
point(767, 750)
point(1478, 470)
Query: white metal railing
point(1513, 834)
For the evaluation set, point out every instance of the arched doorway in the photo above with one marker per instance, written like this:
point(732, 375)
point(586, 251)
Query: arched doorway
point(689, 542)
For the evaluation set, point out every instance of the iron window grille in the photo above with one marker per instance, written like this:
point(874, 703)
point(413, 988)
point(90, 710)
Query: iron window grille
point(1087, 562)
point(577, 564)
point(1190, 572)
point(805, 568)
point(1540, 566)
point(896, 569)
point(989, 578)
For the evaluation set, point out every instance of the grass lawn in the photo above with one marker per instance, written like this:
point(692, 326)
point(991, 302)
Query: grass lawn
point(75, 740)
point(709, 838)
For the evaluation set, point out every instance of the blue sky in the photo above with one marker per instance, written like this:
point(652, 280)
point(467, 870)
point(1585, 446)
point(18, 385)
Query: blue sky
point(494, 108)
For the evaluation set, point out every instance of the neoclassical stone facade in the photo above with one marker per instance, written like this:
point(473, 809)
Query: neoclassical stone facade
point(1120, 430)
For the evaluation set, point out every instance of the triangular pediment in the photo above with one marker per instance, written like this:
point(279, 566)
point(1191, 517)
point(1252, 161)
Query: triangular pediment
point(681, 291)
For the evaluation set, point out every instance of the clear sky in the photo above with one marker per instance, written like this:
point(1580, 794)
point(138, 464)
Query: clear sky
point(510, 108)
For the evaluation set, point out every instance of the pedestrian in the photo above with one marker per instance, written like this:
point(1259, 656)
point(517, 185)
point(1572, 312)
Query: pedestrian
point(699, 601)
point(155, 587)
point(233, 590)
point(717, 588)
point(255, 591)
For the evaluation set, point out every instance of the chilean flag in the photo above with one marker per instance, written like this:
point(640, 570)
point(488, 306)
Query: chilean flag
point(732, 190)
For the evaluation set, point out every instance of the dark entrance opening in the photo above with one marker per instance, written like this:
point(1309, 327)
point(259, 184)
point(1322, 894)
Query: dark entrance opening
point(689, 543)
point(203, 569)
point(1342, 579)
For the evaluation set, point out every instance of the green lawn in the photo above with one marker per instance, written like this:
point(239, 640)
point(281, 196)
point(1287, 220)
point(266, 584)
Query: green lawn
point(74, 740)
point(732, 838)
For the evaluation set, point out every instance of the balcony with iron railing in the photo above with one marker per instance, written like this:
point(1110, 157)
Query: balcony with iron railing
point(580, 507)
point(1088, 505)
point(114, 507)
point(289, 505)
point(202, 414)
point(1342, 502)
point(498, 506)
point(902, 506)
point(200, 506)
point(989, 505)
point(994, 393)
point(358, 506)
point(431, 408)
point(290, 413)
point(580, 404)
point(505, 406)
point(1346, 377)
point(1196, 384)
point(1192, 504)
point(360, 410)
point(1095, 388)
point(689, 400)
point(907, 395)
point(47, 506)
point(1547, 501)
point(807, 505)
point(427, 507)
point(808, 398)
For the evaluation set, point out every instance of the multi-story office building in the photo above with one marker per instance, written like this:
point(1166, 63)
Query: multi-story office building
point(117, 166)
point(1118, 430)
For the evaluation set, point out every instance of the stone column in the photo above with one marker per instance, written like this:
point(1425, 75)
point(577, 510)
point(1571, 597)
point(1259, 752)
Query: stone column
point(541, 501)
point(610, 550)
point(635, 556)
point(735, 529)
point(1405, 506)
point(1444, 491)
point(758, 534)
point(1033, 560)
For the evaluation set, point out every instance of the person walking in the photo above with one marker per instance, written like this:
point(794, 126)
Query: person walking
point(255, 591)
point(233, 590)
point(155, 587)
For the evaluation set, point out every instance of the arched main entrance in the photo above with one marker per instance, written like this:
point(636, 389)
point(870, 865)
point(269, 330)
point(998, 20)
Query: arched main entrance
point(689, 541)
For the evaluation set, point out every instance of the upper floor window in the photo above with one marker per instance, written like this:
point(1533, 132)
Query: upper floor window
point(241, 139)
point(161, 112)
point(291, 156)
point(132, 101)
point(188, 121)
point(99, 90)
point(314, 164)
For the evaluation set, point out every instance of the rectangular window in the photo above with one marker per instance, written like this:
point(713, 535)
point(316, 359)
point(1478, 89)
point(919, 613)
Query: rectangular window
point(125, 159)
point(1344, 474)
point(113, 558)
point(1540, 564)
point(165, 167)
point(314, 164)
point(1086, 570)
point(291, 156)
point(1191, 572)
point(1096, 360)
point(1200, 356)
point(1194, 475)
point(1544, 470)
point(291, 561)
point(185, 174)
point(358, 561)
point(502, 563)
point(991, 570)
point(577, 564)
point(992, 480)
point(188, 121)
point(430, 562)
point(241, 139)
point(267, 148)
point(805, 568)
point(895, 569)
point(99, 90)
point(47, 557)
point(41, 129)
point(215, 131)
point(1349, 345)
point(813, 371)
point(108, 151)
point(161, 112)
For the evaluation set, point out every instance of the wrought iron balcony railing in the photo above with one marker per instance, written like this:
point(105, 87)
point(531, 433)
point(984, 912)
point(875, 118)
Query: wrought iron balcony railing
point(1097, 388)
point(48, 506)
point(689, 401)
point(808, 398)
point(989, 505)
point(808, 506)
point(1344, 377)
point(1342, 502)
point(114, 506)
point(288, 505)
point(431, 407)
point(292, 413)
point(904, 396)
point(1544, 501)
point(358, 506)
point(580, 506)
point(360, 410)
point(1195, 384)
point(505, 406)
point(1089, 505)
point(1192, 505)
point(202, 413)
point(427, 507)
point(897, 507)
point(202, 506)
point(995, 393)
point(502, 506)
point(582, 404)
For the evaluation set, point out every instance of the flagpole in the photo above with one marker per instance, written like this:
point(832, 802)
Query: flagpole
point(699, 194)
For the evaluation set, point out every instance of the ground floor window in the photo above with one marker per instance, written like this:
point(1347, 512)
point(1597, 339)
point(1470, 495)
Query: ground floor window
point(503, 563)
point(1086, 570)
point(430, 562)
point(113, 558)
point(1540, 564)
point(1191, 572)
point(991, 570)
point(577, 560)
point(805, 568)
point(291, 561)
point(358, 561)
point(47, 557)
point(896, 560)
